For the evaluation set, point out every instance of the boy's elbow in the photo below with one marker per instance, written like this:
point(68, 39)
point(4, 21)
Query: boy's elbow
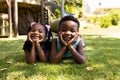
point(81, 62)
point(84, 61)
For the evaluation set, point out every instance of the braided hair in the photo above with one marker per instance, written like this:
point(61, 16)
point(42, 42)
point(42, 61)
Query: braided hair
point(27, 45)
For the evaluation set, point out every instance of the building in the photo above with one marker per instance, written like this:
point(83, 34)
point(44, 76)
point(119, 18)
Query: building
point(23, 12)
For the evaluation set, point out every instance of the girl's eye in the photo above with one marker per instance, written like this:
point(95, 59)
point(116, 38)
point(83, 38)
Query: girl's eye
point(32, 30)
point(40, 31)
point(36, 30)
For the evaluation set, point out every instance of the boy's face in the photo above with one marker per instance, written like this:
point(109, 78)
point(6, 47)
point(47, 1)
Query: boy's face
point(68, 29)
point(37, 32)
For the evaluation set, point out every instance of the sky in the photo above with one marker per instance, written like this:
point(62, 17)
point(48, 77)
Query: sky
point(92, 5)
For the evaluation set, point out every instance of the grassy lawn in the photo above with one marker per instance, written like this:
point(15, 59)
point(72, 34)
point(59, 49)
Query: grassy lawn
point(103, 62)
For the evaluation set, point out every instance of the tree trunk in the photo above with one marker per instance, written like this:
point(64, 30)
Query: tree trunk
point(10, 17)
point(15, 18)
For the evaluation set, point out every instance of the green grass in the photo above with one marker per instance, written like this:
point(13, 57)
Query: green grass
point(103, 62)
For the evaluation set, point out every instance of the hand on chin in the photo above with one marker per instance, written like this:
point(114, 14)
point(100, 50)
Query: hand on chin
point(35, 39)
point(66, 40)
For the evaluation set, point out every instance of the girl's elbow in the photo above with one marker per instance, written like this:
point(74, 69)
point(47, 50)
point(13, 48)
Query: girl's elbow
point(44, 60)
point(53, 62)
point(31, 62)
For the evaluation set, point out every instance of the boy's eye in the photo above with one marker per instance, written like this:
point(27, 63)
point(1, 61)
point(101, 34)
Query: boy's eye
point(63, 29)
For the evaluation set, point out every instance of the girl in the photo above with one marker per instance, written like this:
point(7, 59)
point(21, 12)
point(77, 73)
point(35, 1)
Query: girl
point(37, 47)
point(68, 44)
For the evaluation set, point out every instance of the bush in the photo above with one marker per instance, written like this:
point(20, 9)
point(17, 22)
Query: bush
point(115, 17)
point(72, 8)
point(57, 13)
point(93, 19)
point(105, 21)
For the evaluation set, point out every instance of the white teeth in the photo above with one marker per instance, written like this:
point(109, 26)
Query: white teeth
point(67, 38)
point(36, 36)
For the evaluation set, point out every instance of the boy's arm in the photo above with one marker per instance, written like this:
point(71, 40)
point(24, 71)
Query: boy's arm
point(78, 54)
point(55, 56)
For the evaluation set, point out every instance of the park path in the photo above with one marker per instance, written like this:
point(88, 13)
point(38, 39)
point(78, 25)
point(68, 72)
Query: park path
point(91, 29)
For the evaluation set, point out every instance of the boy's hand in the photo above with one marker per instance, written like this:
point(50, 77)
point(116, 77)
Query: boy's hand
point(64, 43)
point(73, 39)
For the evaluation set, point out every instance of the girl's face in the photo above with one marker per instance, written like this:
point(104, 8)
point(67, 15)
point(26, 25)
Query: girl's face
point(68, 30)
point(37, 32)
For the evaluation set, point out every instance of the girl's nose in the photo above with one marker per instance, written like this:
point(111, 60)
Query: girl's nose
point(36, 32)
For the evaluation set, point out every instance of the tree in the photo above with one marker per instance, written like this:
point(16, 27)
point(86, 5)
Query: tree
point(10, 17)
point(15, 18)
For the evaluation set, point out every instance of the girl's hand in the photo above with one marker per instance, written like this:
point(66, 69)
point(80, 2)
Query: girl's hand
point(29, 37)
point(39, 41)
point(73, 39)
point(64, 43)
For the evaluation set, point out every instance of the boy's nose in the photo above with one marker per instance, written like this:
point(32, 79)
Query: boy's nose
point(68, 32)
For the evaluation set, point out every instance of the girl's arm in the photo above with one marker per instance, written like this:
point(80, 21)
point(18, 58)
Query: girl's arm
point(55, 56)
point(78, 54)
point(30, 55)
point(41, 53)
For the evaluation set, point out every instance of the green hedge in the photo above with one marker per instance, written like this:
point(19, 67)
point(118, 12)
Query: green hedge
point(105, 21)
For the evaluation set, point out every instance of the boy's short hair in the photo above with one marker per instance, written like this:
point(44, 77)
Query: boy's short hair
point(69, 17)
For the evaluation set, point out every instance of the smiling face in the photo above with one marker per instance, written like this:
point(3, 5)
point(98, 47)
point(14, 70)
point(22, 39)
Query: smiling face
point(37, 32)
point(68, 29)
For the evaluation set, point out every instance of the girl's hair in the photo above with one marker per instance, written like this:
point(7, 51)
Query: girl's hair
point(67, 18)
point(33, 23)
point(48, 33)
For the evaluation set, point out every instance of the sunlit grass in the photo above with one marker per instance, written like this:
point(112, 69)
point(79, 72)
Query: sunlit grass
point(103, 62)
